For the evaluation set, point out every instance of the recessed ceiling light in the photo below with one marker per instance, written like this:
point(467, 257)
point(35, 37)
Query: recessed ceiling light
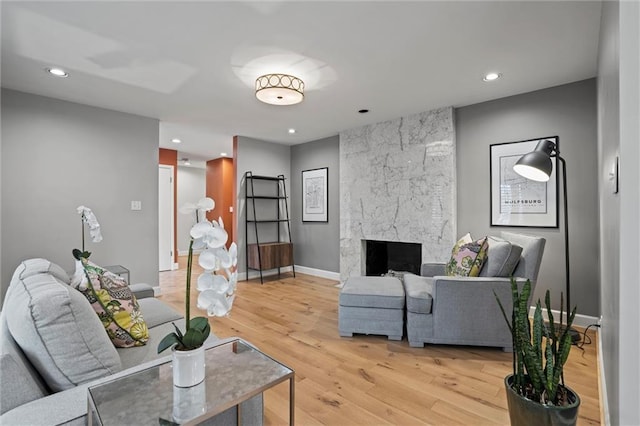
point(492, 76)
point(363, 111)
point(292, 131)
point(223, 154)
point(176, 140)
point(58, 72)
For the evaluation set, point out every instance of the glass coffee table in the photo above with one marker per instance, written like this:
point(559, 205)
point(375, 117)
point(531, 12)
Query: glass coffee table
point(236, 371)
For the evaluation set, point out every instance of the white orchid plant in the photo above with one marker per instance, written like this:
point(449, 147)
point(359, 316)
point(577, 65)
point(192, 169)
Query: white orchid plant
point(217, 284)
point(89, 218)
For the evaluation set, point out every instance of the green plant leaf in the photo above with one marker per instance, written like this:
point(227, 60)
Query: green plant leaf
point(538, 326)
point(201, 324)
point(168, 341)
point(79, 255)
point(178, 332)
point(549, 370)
point(193, 339)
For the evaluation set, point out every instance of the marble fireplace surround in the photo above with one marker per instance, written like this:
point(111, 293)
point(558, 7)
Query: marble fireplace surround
point(398, 183)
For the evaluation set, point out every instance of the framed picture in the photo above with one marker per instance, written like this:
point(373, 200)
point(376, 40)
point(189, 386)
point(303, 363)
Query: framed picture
point(515, 200)
point(315, 195)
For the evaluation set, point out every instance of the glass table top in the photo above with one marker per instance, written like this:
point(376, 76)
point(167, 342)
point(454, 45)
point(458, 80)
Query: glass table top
point(235, 372)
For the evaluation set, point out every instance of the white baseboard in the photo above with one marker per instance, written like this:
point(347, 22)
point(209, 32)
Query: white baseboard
point(156, 291)
point(302, 269)
point(318, 273)
point(175, 266)
point(242, 276)
point(580, 320)
point(604, 400)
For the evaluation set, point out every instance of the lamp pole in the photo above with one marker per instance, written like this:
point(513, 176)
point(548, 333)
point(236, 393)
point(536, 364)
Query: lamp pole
point(566, 233)
point(575, 336)
point(536, 165)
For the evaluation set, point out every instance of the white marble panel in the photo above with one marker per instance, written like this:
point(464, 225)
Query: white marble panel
point(398, 183)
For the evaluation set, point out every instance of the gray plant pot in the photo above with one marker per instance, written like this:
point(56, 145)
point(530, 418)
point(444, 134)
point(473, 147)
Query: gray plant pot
point(525, 412)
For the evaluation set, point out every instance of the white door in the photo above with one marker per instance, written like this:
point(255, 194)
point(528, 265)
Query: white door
point(165, 217)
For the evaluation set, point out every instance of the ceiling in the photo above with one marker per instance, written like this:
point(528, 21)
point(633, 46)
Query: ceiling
point(193, 65)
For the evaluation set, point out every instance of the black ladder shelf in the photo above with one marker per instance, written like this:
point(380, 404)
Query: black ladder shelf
point(278, 253)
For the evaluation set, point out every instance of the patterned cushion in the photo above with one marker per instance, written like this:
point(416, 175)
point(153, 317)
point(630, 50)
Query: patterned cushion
point(467, 258)
point(114, 303)
point(450, 267)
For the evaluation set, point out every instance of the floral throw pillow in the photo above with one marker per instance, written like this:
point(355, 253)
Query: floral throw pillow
point(467, 257)
point(451, 266)
point(114, 302)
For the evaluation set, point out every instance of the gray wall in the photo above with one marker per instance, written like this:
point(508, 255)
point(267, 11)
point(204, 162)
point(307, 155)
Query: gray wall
point(317, 244)
point(608, 149)
point(57, 155)
point(192, 183)
point(570, 112)
point(261, 158)
point(629, 409)
point(618, 112)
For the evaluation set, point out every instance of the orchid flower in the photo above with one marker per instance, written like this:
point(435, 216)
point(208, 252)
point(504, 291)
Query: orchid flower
point(217, 291)
point(94, 227)
point(200, 208)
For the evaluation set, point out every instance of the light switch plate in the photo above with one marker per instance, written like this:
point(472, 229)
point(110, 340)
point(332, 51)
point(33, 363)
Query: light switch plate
point(136, 205)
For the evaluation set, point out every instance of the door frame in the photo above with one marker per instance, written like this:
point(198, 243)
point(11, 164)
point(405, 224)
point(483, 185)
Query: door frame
point(174, 264)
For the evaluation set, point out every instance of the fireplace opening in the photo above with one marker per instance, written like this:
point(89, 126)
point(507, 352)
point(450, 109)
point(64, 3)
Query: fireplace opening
point(382, 256)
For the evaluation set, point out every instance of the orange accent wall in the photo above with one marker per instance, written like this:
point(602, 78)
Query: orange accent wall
point(234, 186)
point(220, 179)
point(169, 157)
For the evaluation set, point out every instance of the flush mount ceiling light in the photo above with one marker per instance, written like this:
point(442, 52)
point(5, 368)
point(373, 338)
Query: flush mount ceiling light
point(279, 89)
point(291, 131)
point(176, 140)
point(58, 72)
point(492, 76)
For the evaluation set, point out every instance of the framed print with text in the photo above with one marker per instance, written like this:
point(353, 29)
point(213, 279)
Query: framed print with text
point(515, 200)
point(315, 193)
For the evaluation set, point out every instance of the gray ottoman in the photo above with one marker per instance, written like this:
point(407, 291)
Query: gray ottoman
point(142, 290)
point(372, 305)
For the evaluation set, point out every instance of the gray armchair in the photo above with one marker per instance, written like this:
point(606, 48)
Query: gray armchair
point(463, 310)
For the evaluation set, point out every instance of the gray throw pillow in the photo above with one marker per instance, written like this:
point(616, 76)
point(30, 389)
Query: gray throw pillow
point(502, 258)
point(56, 328)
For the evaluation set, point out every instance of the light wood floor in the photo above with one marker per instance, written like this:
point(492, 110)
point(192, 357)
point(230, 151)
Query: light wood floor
point(368, 380)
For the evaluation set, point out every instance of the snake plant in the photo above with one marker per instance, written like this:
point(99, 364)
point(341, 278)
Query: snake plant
point(539, 350)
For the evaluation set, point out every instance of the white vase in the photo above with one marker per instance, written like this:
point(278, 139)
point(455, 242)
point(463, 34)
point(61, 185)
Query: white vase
point(189, 403)
point(188, 367)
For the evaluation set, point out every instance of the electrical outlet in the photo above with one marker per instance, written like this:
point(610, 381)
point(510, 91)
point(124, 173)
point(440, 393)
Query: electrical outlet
point(136, 205)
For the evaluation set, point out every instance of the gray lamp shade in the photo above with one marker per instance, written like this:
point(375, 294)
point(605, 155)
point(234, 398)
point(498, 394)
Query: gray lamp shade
point(536, 165)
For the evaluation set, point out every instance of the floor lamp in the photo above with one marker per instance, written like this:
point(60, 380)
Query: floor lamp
point(536, 165)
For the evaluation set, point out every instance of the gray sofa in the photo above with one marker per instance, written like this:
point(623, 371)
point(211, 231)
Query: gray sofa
point(53, 347)
point(463, 310)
